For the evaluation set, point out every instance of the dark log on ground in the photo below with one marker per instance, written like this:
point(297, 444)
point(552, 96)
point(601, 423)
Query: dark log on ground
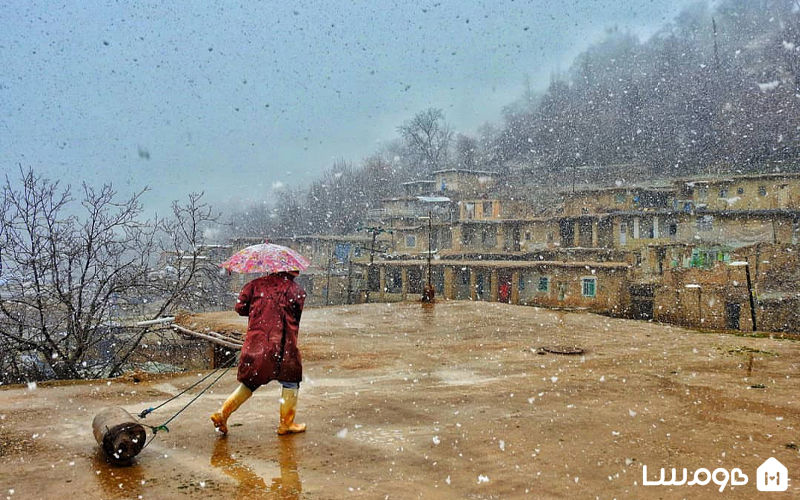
point(120, 435)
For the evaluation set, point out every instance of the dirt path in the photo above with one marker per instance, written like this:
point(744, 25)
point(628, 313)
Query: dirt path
point(445, 402)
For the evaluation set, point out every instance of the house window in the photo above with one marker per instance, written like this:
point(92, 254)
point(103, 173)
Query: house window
point(487, 208)
point(723, 192)
point(762, 190)
point(739, 190)
point(468, 235)
point(544, 284)
point(703, 259)
point(521, 285)
point(411, 240)
point(373, 279)
point(394, 281)
point(470, 211)
point(447, 237)
point(489, 236)
point(705, 223)
point(589, 288)
point(527, 236)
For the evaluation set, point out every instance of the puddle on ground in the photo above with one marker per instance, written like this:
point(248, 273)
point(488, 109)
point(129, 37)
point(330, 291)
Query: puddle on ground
point(117, 481)
point(251, 485)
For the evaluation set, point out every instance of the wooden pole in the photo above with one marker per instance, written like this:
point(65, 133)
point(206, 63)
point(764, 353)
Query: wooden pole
point(211, 336)
point(120, 435)
point(328, 284)
point(168, 319)
point(750, 293)
point(349, 282)
point(371, 260)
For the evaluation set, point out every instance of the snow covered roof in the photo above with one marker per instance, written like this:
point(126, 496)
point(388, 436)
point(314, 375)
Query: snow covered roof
point(463, 171)
point(433, 199)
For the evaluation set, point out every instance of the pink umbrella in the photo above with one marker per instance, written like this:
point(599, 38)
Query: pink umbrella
point(266, 258)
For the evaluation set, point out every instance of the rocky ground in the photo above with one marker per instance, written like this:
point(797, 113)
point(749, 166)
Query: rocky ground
point(450, 401)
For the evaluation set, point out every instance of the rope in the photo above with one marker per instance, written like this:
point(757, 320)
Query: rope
point(152, 438)
point(163, 427)
point(226, 365)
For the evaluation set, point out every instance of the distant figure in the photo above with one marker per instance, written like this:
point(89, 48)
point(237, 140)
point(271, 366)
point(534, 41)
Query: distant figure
point(428, 294)
point(274, 304)
point(504, 292)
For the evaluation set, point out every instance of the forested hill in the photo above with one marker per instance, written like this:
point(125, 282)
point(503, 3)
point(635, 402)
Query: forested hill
point(717, 90)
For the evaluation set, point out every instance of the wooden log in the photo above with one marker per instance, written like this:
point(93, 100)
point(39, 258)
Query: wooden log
point(221, 340)
point(168, 319)
point(120, 435)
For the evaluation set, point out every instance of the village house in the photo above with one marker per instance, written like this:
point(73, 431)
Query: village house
point(600, 287)
point(464, 183)
point(419, 188)
point(614, 199)
point(539, 233)
point(416, 239)
point(741, 192)
point(397, 212)
point(706, 287)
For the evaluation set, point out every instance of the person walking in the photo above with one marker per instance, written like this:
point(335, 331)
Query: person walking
point(273, 305)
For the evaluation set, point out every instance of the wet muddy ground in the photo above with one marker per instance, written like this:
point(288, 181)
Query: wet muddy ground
point(450, 401)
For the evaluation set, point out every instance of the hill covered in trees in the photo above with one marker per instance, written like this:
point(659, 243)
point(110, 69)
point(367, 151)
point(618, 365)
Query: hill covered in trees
point(715, 91)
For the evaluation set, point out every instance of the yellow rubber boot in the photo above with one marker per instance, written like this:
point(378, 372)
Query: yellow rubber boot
point(288, 408)
point(234, 401)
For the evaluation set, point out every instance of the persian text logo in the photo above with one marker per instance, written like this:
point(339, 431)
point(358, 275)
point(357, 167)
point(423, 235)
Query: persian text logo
point(702, 477)
point(772, 476)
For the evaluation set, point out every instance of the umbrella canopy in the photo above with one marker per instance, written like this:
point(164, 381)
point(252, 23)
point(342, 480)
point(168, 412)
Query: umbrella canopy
point(266, 258)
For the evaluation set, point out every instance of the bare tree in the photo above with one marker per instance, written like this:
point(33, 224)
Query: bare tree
point(66, 271)
point(427, 137)
point(467, 153)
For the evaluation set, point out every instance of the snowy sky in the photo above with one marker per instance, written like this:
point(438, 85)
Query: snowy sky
point(231, 99)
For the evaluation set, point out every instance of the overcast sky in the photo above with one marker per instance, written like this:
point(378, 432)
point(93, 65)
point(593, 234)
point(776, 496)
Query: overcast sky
point(230, 99)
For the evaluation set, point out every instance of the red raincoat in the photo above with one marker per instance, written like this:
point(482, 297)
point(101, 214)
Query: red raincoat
point(274, 304)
